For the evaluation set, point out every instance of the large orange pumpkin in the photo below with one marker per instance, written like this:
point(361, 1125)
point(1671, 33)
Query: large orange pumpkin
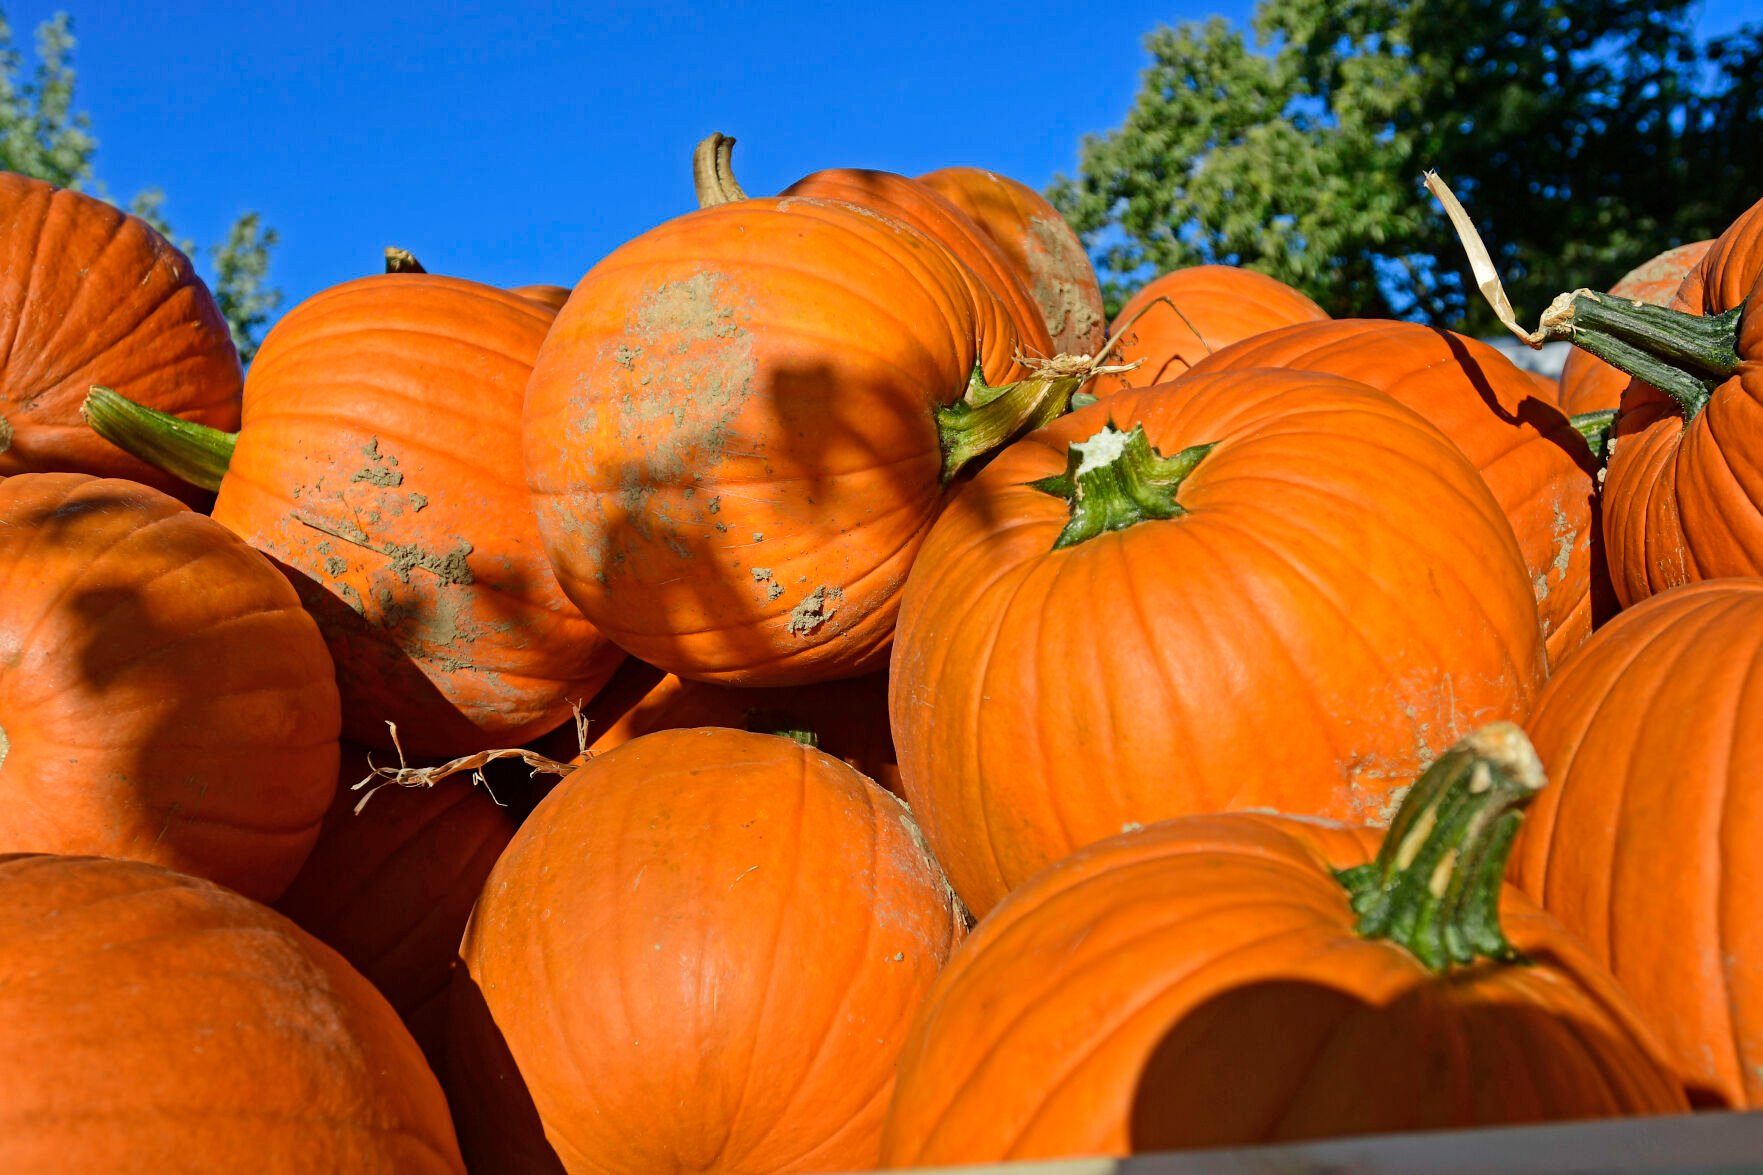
point(1588, 384)
point(1178, 319)
point(154, 1022)
point(90, 294)
point(379, 463)
point(700, 953)
point(1243, 979)
point(390, 885)
point(1297, 619)
point(1041, 247)
point(1653, 735)
point(163, 696)
point(743, 423)
point(1536, 464)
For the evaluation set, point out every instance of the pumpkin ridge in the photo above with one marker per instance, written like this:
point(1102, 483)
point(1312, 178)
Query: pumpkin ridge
point(30, 276)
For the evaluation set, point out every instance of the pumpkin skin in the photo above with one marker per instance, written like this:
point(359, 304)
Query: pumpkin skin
point(1633, 847)
point(91, 295)
point(157, 1022)
point(1199, 983)
point(551, 297)
point(1041, 247)
point(936, 217)
point(1302, 640)
point(380, 464)
point(1222, 303)
point(1682, 502)
point(390, 887)
point(163, 697)
point(712, 911)
point(1539, 468)
point(731, 440)
point(1588, 384)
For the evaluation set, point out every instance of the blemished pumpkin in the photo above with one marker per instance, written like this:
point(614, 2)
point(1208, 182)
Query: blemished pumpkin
point(1538, 466)
point(156, 1022)
point(163, 696)
point(379, 463)
point(1653, 736)
point(1242, 979)
point(392, 880)
point(1178, 319)
point(745, 420)
point(699, 953)
point(1267, 589)
point(1040, 246)
point(1588, 384)
point(90, 294)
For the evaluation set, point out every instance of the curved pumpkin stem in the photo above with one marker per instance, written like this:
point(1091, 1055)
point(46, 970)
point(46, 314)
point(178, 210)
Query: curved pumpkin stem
point(713, 171)
point(1115, 480)
point(1596, 427)
point(192, 452)
point(1434, 888)
point(402, 261)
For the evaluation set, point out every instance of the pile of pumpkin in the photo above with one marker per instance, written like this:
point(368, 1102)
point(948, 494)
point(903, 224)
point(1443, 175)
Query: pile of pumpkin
point(858, 711)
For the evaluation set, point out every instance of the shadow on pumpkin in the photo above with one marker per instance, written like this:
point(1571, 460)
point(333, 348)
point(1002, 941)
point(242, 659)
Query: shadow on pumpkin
point(1291, 1060)
point(493, 1113)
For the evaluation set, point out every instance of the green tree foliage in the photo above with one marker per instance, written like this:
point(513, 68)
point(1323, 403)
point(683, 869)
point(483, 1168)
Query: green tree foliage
point(41, 135)
point(1584, 136)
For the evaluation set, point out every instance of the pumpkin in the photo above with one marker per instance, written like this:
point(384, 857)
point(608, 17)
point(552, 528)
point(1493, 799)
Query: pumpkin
point(988, 270)
point(379, 463)
point(551, 297)
point(163, 697)
point(847, 719)
point(1270, 589)
point(1653, 735)
point(156, 1022)
point(1232, 980)
point(1041, 248)
point(1178, 319)
point(1537, 466)
point(743, 423)
point(391, 882)
point(90, 294)
point(700, 953)
point(1588, 384)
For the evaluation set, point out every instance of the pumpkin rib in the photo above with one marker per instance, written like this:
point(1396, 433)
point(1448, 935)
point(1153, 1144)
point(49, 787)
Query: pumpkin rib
point(396, 361)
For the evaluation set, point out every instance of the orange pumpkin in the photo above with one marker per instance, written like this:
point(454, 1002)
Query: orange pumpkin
point(1242, 979)
point(700, 952)
point(743, 423)
point(1041, 248)
point(90, 294)
point(1187, 314)
point(1300, 605)
point(163, 697)
point(551, 297)
point(157, 1022)
point(1588, 384)
point(1653, 735)
point(1537, 466)
point(390, 886)
point(379, 463)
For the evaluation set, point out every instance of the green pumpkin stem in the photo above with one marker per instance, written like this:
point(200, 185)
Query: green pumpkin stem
point(713, 171)
point(1434, 888)
point(193, 452)
point(987, 418)
point(1595, 427)
point(1115, 480)
point(782, 724)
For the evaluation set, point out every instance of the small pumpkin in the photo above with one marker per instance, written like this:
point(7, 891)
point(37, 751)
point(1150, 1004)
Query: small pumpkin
point(90, 294)
point(391, 882)
point(1178, 319)
point(379, 464)
point(743, 423)
point(700, 952)
point(153, 1021)
point(163, 696)
point(1041, 248)
point(1588, 384)
point(1653, 735)
point(1268, 589)
point(1220, 981)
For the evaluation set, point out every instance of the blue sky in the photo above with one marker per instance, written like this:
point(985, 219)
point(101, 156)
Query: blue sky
point(521, 141)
